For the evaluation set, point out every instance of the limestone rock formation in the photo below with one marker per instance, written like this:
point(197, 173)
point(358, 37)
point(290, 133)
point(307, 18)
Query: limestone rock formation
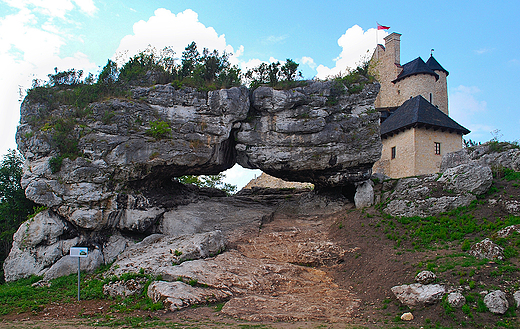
point(421, 196)
point(467, 178)
point(160, 133)
point(177, 295)
point(107, 172)
point(301, 135)
point(491, 154)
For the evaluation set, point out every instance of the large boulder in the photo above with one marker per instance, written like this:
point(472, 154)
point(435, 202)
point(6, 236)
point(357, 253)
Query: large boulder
point(496, 302)
point(417, 294)
point(177, 295)
point(487, 249)
point(493, 154)
point(302, 135)
point(422, 196)
point(37, 244)
point(467, 178)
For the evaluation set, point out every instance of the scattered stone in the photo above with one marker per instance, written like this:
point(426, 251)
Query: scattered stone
point(41, 283)
point(125, 288)
point(177, 295)
point(407, 316)
point(487, 249)
point(507, 231)
point(425, 277)
point(496, 302)
point(516, 297)
point(417, 294)
point(456, 299)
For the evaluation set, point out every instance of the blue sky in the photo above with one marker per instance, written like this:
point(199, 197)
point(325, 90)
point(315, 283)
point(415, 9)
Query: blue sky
point(477, 42)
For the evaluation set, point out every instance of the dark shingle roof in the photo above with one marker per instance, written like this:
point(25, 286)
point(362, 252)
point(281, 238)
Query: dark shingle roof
point(435, 66)
point(417, 66)
point(418, 112)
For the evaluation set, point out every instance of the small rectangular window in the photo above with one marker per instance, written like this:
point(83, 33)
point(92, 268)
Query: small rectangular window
point(437, 148)
point(393, 152)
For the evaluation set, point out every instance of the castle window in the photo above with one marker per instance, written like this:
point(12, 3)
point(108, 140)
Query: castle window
point(393, 152)
point(431, 98)
point(437, 148)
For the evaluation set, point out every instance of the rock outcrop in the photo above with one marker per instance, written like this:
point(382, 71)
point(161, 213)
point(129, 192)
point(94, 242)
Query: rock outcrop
point(300, 135)
point(108, 172)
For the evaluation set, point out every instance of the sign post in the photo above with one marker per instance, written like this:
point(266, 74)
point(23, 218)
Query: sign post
point(79, 252)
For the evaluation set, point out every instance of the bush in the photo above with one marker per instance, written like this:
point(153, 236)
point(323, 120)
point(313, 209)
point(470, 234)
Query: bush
point(159, 129)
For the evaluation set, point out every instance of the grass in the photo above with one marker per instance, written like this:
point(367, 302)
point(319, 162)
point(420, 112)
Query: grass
point(457, 225)
point(20, 296)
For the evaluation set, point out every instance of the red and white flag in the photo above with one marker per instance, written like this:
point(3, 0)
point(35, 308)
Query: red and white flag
point(382, 27)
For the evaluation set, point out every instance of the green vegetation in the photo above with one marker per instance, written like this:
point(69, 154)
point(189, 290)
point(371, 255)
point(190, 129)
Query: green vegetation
point(352, 82)
point(159, 129)
point(275, 75)
point(21, 296)
point(206, 71)
point(209, 71)
point(14, 206)
point(434, 231)
point(213, 181)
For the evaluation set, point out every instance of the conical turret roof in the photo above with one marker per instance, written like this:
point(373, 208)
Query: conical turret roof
point(417, 66)
point(435, 66)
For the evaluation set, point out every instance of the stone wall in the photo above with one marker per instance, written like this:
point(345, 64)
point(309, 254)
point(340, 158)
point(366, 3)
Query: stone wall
point(426, 161)
point(404, 163)
point(415, 152)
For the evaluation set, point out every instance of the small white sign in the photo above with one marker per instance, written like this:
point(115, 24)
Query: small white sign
point(79, 251)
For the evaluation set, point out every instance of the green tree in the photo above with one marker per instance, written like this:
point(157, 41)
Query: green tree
point(214, 181)
point(274, 74)
point(14, 206)
point(190, 59)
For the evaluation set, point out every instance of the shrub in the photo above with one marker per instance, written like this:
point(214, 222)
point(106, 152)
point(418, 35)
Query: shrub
point(159, 129)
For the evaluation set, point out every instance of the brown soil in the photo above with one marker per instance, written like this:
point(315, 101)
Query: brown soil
point(368, 266)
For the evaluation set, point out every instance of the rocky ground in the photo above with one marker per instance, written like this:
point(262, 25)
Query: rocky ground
point(330, 267)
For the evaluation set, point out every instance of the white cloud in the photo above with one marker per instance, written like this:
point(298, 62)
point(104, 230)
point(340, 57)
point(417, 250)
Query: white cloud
point(463, 103)
point(270, 40)
point(308, 61)
point(54, 8)
point(86, 6)
point(356, 45)
point(240, 176)
point(176, 31)
point(30, 43)
point(483, 50)
point(514, 62)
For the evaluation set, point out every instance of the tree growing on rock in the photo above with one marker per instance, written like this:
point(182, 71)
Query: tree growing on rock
point(14, 206)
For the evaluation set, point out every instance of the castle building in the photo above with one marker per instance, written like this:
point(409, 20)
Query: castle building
point(416, 129)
